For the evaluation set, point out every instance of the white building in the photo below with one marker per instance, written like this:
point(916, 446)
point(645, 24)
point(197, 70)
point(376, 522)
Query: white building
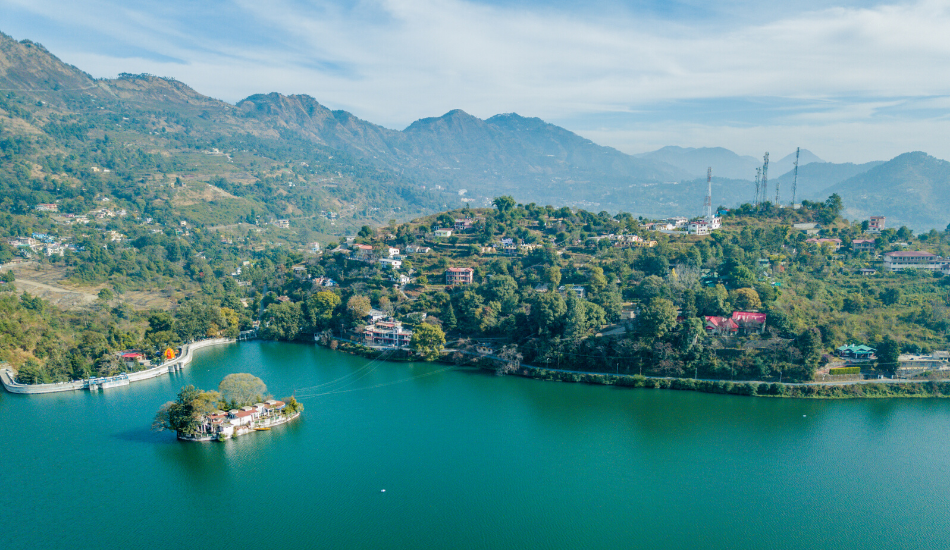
point(390, 263)
point(698, 227)
point(910, 259)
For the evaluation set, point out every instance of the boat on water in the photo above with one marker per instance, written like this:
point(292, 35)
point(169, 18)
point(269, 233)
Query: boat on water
point(264, 429)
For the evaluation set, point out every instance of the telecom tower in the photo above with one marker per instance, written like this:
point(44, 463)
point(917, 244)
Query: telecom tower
point(707, 204)
point(778, 195)
point(798, 150)
point(765, 178)
point(758, 175)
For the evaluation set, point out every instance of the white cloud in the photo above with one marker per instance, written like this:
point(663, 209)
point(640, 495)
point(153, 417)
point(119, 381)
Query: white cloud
point(393, 61)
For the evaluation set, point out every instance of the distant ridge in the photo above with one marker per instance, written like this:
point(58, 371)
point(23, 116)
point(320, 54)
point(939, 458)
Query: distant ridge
point(724, 162)
point(912, 189)
point(470, 159)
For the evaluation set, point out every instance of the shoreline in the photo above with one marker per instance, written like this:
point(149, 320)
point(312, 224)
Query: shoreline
point(267, 423)
point(852, 389)
point(10, 384)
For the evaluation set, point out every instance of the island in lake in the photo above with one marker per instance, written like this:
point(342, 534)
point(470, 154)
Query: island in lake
point(241, 405)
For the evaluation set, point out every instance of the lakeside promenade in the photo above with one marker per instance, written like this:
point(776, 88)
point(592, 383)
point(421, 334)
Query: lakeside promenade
point(7, 377)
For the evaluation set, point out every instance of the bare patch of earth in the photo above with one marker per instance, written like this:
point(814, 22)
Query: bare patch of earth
point(49, 283)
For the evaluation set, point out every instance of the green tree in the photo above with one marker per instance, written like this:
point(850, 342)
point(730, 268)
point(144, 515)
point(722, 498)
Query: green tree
point(185, 414)
point(231, 322)
point(358, 306)
point(809, 344)
point(552, 275)
point(281, 321)
point(242, 389)
point(320, 308)
point(504, 204)
point(32, 372)
point(449, 321)
point(576, 325)
point(428, 341)
point(657, 319)
point(891, 296)
point(887, 351)
point(746, 299)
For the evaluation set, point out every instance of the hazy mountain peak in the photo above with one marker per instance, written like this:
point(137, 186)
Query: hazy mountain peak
point(696, 161)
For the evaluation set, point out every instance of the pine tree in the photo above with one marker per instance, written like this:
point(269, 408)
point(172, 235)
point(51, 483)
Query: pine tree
point(448, 318)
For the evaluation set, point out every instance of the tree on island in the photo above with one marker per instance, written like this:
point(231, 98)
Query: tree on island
point(428, 341)
point(242, 389)
point(185, 414)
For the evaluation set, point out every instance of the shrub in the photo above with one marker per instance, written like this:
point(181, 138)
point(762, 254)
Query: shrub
point(844, 370)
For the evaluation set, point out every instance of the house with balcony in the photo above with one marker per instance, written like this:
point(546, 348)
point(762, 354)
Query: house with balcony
point(876, 224)
point(862, 245)
point(459, 276)
point(389, 333)
point(914, 259)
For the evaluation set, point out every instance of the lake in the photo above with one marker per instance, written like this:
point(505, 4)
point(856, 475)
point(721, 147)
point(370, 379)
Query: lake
point(470, 460)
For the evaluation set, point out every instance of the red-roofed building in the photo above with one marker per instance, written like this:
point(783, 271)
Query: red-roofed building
point(721, 325)
point(459, 276)
point(741, 321)
point(749, 321)
point(862, 245)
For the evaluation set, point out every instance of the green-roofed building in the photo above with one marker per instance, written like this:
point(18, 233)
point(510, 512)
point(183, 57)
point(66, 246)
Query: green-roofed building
point(859, 352)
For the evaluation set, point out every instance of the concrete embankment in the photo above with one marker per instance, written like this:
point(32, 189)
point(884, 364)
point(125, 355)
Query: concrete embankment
point(8, 379)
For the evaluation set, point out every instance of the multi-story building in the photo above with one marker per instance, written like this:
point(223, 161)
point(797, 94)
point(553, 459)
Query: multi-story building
point(876, 224)
point(459, 276)
point(914, 259)
point(387, 333)
point(862, 245)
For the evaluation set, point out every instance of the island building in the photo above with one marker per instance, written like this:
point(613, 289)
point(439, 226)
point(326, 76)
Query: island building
point(235, 422)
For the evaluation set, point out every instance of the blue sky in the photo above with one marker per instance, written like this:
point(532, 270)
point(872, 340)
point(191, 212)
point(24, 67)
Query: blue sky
point(853, 81)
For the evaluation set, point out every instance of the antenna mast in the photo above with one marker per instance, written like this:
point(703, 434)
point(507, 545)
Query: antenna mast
point(778, 195)
point(707, 205)
point(765, 178)
point(758, 175)
point(798, 150)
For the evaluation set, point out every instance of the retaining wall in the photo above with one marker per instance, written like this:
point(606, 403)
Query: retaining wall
point(8, 379)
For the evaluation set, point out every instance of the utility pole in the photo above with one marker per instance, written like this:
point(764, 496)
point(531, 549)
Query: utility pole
point(798, 151)
point(707, 205)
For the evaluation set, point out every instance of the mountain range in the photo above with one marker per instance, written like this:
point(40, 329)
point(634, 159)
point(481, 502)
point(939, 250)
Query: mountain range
point(435, 162)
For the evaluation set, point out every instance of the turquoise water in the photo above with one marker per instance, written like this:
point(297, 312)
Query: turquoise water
point(470, 460)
